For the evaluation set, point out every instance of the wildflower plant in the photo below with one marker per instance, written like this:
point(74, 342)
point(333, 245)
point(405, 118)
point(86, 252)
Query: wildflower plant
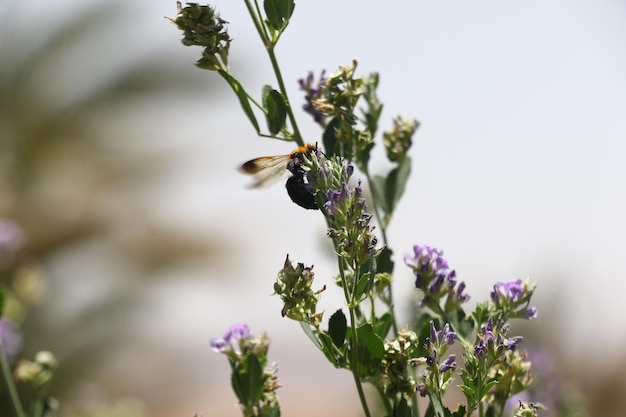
point(400, 362)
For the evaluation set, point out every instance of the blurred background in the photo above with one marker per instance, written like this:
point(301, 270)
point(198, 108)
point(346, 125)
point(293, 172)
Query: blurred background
point(118, 158)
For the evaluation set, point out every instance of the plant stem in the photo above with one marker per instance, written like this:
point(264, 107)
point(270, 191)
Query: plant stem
point(8, 379)
point(256, 19)
point(255, 14)
point(353, 364)
point(383, 231)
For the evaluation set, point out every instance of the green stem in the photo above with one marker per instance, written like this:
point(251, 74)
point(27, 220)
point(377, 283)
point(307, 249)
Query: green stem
point(383, 231)
point(8, 379)
point(353, 364)
point(255, 14)
point(353, 336)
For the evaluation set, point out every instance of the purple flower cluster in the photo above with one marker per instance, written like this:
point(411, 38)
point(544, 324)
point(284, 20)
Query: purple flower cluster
point(437, 373)
point(513, 298)
point(442, 337)
point(434, 277)
point(234, 334)
point(493, 339)
point(345, 209)
point(313, 95)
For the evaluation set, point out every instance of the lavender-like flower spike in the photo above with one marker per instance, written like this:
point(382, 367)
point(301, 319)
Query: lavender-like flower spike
point(442, 337)
point(512, 299)
point(314, 97)
point(511, 290)
point(434, 277)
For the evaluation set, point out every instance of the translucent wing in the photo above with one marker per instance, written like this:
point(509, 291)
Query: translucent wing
point(266, 170)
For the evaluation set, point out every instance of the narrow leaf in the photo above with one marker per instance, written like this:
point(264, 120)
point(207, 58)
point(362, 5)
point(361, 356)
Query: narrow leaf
point(329, 349)
point(309, 332)
point(402, 409)
point(378, 192)
point(255, 379)
point(384, 262)
point(243, 98)
point(396, 183)
point(383, 324)
point(363, 285)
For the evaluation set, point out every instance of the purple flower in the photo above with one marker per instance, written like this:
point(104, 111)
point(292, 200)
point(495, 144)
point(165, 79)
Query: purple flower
point(459, 296)
point(235, 333)
point(529, 313)
point(313, 94)
point(10, 338)
point(511, 290)
point(513, 297)
point(448, 364)
point(337, 199)
point(480, 349)
point(512, 342)
point(220, 345)
point(434, 277)
point(428, 265)
point(439, 337)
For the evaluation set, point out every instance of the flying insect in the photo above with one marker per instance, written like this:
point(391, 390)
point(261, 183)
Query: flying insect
point(266, 170)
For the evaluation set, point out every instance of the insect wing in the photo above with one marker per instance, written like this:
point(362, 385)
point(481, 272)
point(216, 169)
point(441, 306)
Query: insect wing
point(266, 170)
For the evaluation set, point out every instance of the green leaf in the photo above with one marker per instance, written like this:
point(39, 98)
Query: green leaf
point(396, 183)
point(469, 393)
point(243, 98)
point(486, 388)
point(370, 350)
point(330, 350)
point(460, 411)
point(363, 285)
point(329, 139)
point(402, 409)
point(439, 409)
point(255, 382)
point(278, 12)
point(275, 411)
point(461, 324)
point(247, 380)
point(309, 332)
point(383, 324)
point(378, 192)
point(276, 110)
point(384, 262)
point(337, 327)
point(430, 412)
point(363, 156)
